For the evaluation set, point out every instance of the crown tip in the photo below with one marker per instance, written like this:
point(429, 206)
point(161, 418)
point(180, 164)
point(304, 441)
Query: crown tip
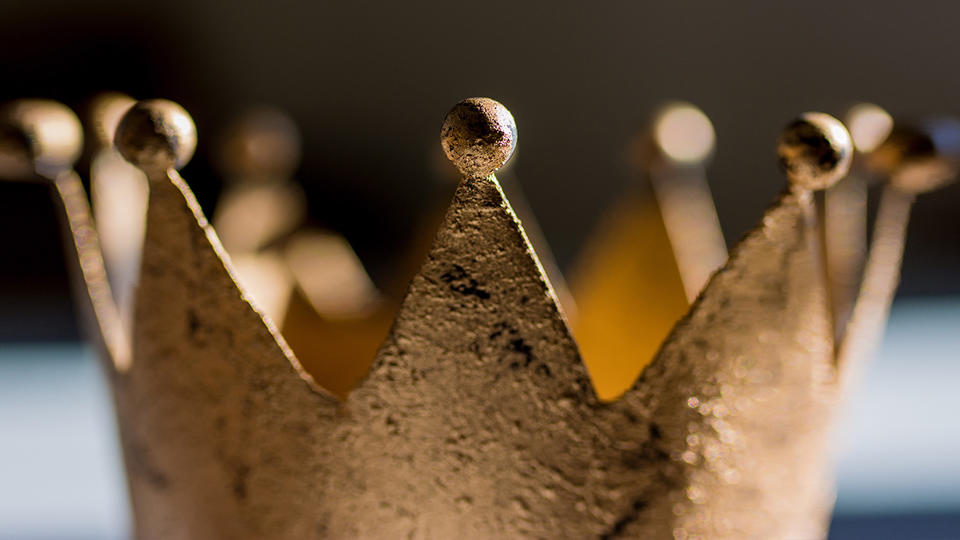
point(156, 134)
point(869, 126)
point(815, 151)
point(684, 134)
point(263, 142)
point(106, 109)
point(479, 136)
point(918, 159)
point(41, 134)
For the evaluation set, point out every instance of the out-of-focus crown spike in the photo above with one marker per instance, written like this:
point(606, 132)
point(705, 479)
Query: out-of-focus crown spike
point(845, 212)
point(684, 139)
point(257, 155)
point(740, 390)
point(912, 160)
point(479, 383)
point(41, 139)
point(214, 408)
point(336, 319)
point(118, 193)
point(308, 281)
point(260, 207)
point(652, 254)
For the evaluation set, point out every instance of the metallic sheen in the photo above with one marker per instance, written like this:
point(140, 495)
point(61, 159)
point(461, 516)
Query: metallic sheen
point(815, 151)
point(156, 134)
point(479, 135)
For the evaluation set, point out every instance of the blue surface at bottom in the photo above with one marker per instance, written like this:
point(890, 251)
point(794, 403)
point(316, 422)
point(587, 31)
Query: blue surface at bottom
point(918, 526)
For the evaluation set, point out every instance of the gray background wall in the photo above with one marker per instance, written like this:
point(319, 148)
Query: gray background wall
point(369, 83)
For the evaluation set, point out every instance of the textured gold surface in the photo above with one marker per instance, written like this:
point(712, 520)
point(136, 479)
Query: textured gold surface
point(221, 432)
point(753, 361)
point(156, 134)
point(479, 135)
point(477, 419)
point(531, 227)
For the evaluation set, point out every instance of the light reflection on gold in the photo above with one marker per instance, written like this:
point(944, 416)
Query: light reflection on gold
point(447, 177)
point(518, 201)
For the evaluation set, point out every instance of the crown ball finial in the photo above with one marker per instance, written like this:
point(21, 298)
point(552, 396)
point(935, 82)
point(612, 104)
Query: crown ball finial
point(815, 151)
point(479, 136)
point(262, 142)
point(43, 133)
point(684, 134)
point(920, 158)
point(156, 134)
point(105, 111)
point(869, 126)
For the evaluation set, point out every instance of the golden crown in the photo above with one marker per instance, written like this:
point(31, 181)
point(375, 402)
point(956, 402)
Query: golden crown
point(700, 408)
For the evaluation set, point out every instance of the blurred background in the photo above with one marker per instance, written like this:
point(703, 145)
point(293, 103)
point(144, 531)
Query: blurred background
point(368, 83)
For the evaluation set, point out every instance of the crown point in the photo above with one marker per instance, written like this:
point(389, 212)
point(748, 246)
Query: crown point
point(479, 135)
point(106, 110)
point(156, 134)
point(51, 130)
point(263, 142)
point(683, 133)
point(920, 159)
point(815, 151)
point(869, 126)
